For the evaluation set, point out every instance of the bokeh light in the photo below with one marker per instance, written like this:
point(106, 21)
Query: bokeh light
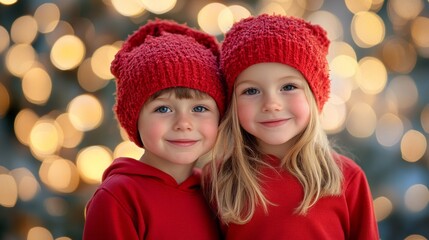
point(402, 93)
point(344, 66)
point(20, 58)
point(47, 17)
point(8, 190)
point(63, 28)
point(87, 79)
point(371, 75)
point(329, 22)
point(415, 237)
point(92, 161)
point(239, 12)
point(24, 30)
point(313, 5)
point(4, 39)
point(24, 122)
point(59, 174)
point(416, 197)
point(128, 8)
point(368, 29)
point(45, 138)
point(4, 100)
point(424, 118)
point(413, 146)
point(231, 14)
point(382, 207)
point(361, 121)
point(38, 233)
point(208, 18)
point(356, 6)
point(420, 36)
point(407, 9)
point(128, 149)
point(67, 52)
point(159, 6)
point(389, 129)
point(8, 2)
point(273, 8)
point(37, 86)
point(85, 112)
point(334, 115)
point(101, 59)
point(27, 184)
point(399, 55)
point(72, 136)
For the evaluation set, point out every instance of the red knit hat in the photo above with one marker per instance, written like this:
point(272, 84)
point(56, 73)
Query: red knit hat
point(163, 54)
point(281, 39)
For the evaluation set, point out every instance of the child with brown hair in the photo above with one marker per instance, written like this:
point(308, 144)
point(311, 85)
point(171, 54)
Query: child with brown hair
point(169, 100)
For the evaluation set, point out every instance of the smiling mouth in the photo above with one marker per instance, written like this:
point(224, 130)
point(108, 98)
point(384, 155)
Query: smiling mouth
point(182, 143)
point(274, 123)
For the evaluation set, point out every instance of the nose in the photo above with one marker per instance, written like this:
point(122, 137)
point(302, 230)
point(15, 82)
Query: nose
point(183, 122)
point(272, 103)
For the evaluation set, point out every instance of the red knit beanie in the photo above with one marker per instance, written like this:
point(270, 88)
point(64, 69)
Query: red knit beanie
point(280, 39)
point(159, 55)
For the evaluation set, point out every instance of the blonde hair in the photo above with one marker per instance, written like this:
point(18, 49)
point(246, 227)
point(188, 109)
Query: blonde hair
point(235, 181)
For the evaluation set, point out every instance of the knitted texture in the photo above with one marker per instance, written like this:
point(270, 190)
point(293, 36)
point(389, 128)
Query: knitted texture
point(281, 39)
point(159, 55)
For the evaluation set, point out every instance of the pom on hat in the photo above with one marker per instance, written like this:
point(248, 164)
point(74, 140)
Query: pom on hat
point(287, 40)
point(159, 55)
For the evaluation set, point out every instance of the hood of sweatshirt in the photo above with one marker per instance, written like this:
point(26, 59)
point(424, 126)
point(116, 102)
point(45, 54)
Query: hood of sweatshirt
point(130, 166)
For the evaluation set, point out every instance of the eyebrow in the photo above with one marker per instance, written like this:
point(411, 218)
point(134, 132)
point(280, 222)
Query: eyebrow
point(204, 98)
point(288, 77)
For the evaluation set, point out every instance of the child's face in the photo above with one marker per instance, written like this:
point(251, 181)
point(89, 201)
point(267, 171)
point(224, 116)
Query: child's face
point(272, 105)
point(177, 131)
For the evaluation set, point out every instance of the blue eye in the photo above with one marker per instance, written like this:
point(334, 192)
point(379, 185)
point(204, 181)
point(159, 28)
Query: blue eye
point(250, 91)
point(200, 109)
point(163, 109)
point(288, 87)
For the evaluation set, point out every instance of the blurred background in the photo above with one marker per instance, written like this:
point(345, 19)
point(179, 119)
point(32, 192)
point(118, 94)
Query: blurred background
point(58, 132)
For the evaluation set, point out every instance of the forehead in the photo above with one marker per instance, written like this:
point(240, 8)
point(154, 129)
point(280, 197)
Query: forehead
point(180, 93)
point(267, 71)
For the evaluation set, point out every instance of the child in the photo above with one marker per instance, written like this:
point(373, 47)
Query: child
point(169, 100)
point(279, 178)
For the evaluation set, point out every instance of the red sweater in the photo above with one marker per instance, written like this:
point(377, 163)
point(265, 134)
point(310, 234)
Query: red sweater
point(137, 201)
point(348, 216)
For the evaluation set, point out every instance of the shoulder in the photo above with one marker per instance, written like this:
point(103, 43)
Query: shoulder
point(355, 183)
point(121, 191)
point(347, 165)
point(116, 186)
point(116, 181)
point(351, 170)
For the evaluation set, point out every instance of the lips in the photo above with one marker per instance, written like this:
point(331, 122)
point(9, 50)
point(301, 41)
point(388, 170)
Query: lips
point(273, 122)
point(182, 142)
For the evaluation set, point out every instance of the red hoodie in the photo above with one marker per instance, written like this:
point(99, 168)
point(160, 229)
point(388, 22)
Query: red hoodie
point(137, 201)
point(347, 216)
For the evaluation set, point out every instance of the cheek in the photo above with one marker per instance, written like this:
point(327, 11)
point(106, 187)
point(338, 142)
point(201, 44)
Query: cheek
point(301, 108)
point(150, 130)
point(245, 113)
point(209, 129)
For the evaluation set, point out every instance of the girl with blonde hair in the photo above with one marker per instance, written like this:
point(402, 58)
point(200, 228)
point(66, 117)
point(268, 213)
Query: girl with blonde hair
point(275, 175)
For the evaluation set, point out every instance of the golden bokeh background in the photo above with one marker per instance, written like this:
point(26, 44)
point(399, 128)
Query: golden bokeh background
point(58, 132)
